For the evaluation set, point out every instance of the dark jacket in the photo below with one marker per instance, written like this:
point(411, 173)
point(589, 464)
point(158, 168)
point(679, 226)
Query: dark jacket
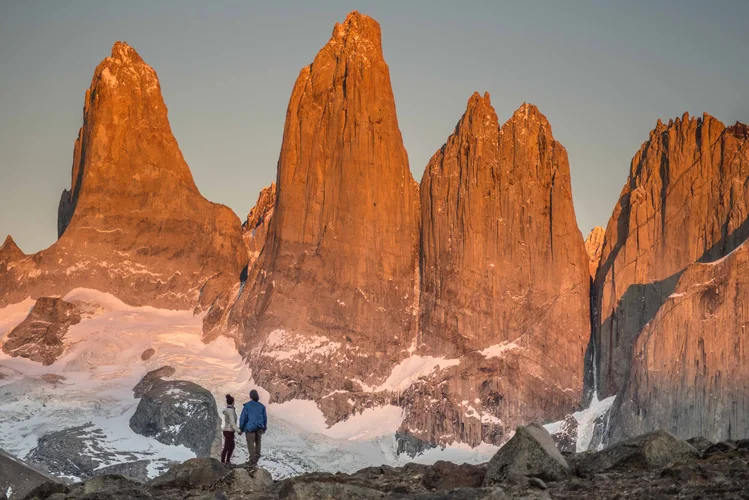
point(253, 417)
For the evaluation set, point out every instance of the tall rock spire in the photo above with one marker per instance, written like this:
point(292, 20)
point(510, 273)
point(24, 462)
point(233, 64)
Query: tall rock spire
point(504, 279)
point(133, 223)
point(342, 245)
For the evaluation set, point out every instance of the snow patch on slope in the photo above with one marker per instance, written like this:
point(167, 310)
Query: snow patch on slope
point(411, 369)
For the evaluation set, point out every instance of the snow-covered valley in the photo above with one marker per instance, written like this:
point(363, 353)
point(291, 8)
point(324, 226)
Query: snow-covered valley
point(91, 386)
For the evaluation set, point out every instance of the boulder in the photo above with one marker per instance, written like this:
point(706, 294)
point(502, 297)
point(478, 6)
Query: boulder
point(136, 470)
point(649, 451)
point(146, 355)
point(200, 473)
point(151, 379)
point(178, 412)
point(40, 336)
point(319, 490)
point(566, 436)
point(530, 452)
point(447, 475)
point(111, 483)
point(18, 478)
point(242, 481)
point(493, 493)
point(700, 443)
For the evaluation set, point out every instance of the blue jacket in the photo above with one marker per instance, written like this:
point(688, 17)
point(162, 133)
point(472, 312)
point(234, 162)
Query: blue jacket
point(253, 417)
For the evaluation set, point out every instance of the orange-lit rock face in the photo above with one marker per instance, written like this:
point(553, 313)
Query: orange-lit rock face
point(594, 247)
point(340, 259)
point(690, 367)
point(255, 228)
point(133, 223)
point(505, 283)
point(686, 200)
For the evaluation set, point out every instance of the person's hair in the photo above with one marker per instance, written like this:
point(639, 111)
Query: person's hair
point(254, 395)
point(229, 399)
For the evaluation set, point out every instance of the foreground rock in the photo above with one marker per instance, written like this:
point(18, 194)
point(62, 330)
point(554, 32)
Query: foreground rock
point(18, 478)
point(40, 337)
point(653, 466)
point(649, 451)
point(530, 453)
point(133, 222)
point(179, 413)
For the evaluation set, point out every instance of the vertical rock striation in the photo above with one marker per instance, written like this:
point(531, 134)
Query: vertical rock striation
point(686, 200)
point(690, 365)
point(336, 281)
point(504, 281)
point(133, 222)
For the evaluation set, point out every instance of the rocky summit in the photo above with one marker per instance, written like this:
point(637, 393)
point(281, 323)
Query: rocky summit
point(133, 223)
point(594, 247)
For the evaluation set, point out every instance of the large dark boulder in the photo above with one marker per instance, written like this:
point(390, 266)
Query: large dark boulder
point(178, 413)
point(71, 452)
point(530, 453)
point(152, 379)
point(649, 451)
point(18, 478)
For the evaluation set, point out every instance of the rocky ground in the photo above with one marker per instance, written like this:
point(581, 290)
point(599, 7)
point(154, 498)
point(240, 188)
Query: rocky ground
point(654, 465)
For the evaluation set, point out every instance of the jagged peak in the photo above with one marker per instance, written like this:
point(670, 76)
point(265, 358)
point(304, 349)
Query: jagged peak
point(266, 201)
point(125, 65)
point(528, 116)
point(358, 31)
point(9, 247)
point(478, 117)
point(683, 123)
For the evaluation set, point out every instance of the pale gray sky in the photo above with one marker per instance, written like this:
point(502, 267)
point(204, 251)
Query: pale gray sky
point(602, 72)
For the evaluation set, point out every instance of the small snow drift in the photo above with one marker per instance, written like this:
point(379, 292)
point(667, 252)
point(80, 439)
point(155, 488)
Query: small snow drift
point(178, 412)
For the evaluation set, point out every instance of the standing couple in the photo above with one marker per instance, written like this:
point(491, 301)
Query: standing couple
point(253, 423)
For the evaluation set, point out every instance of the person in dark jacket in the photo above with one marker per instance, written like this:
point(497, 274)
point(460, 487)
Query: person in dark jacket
point(253, 422)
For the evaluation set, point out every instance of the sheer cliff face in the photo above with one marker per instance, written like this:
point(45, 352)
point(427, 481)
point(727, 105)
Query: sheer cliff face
point(505, 280)
point(690, 365)
point(255, 228)
point(686, 200)
point(133, 222)
point(340, 258)
point(594, 247)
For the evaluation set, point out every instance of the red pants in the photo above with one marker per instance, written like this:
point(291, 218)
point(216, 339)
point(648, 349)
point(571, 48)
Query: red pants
point(228, 447)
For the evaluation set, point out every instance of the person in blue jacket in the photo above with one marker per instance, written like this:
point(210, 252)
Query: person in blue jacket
point(253, 422)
